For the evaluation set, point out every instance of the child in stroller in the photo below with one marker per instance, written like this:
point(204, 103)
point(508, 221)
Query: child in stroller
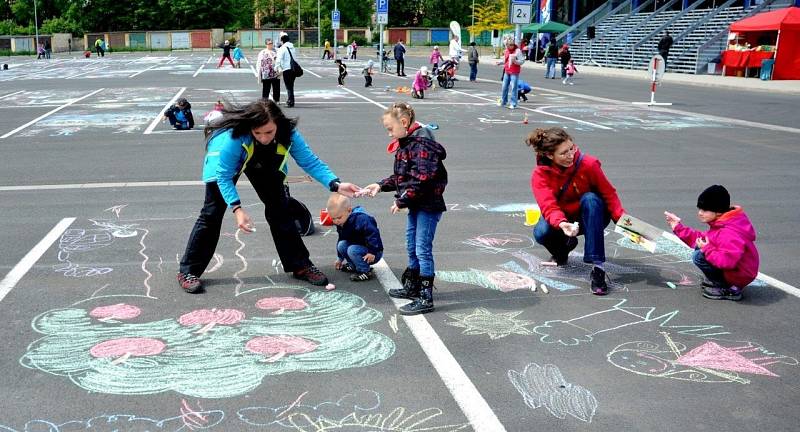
point(446, 75)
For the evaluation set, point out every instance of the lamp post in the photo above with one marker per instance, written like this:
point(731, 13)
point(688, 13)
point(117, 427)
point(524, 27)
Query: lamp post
point(319, 30)
point(36, 27)
point(299, 35)
point(471, 29)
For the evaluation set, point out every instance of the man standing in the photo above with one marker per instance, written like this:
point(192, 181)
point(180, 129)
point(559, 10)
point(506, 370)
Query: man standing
point(399, 57)
point(663, 47)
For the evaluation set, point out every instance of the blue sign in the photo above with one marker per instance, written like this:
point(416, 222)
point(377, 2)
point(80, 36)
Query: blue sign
point(382, 6)
point(525, 2)
point(335, 15)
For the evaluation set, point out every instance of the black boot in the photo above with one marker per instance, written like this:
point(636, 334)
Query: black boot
point(423, 303)
point(410, 281)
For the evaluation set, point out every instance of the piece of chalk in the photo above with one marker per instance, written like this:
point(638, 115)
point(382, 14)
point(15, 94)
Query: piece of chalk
point(671, 285)
point(330, 287)
point(544, 288)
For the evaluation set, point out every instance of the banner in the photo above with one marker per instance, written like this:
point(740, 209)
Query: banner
point(545, 7)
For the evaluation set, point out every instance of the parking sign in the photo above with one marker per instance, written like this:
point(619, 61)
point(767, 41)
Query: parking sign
point(335, 17)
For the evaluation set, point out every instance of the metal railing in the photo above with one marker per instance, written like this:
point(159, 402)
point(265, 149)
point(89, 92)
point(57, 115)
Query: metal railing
point(714, 13)
point(661, 28)
point(598, 14)
point(624, 38)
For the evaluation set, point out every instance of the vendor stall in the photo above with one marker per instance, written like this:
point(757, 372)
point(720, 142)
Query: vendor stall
point(768, 35)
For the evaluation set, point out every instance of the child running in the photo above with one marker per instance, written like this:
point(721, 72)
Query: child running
point(367, 72)
point(342, 71)
point(420, 83)
point(238, 55)
point(571, 71)
point(359, 242)
point(419, 180)
point(726, 253)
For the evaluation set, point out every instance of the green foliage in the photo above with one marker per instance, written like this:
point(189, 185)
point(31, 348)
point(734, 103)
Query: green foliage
point(60, 25)
point(9, 27)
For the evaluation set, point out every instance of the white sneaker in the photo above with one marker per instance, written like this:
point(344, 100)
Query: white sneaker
point(499, 103)
point(572, 83)
point(512, 107)
point(564, 82)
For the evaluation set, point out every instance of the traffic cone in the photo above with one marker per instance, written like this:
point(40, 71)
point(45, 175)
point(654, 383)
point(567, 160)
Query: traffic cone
point(525, 118)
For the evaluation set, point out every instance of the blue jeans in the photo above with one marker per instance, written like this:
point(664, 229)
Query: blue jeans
point(713, 274)
point(420, 230)
point(473, 71)
point(354, 254)
point(593, 220)
point(509, 82)
point(551, 67)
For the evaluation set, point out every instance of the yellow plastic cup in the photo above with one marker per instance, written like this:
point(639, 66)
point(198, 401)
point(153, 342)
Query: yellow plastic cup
point(532, 216)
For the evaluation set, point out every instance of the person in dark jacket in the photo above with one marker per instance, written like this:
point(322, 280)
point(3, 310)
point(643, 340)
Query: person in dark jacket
point(359, 242)
point(419, 180)
point(399, 57)
point(226, 54)
point(663, 47)
point(180, 115)
point(564, 56)
point(552, 57)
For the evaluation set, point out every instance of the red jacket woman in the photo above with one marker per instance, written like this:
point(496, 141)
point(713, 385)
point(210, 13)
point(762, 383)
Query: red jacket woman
point(570, 186)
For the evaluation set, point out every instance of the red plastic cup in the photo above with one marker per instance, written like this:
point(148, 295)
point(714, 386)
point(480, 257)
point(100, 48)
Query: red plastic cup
point(325, 218)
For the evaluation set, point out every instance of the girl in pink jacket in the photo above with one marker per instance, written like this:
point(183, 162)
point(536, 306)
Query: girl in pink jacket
point(726, 253)
point(420, 83)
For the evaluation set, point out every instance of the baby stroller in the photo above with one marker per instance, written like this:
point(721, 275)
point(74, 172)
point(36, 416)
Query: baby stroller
point(446, 75)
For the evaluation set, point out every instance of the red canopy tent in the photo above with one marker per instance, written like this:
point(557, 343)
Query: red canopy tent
point(787, 23)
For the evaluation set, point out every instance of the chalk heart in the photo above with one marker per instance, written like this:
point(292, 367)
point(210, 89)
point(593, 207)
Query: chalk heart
point(124, 348)
point(562, 332)
point(211, 317)
point(281, 304)
point(509, 281)
point(119, 311)
point(278, 346)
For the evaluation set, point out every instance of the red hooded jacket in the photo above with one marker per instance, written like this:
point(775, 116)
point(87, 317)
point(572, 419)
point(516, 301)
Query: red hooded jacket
point(547, 179)
point(731, 246)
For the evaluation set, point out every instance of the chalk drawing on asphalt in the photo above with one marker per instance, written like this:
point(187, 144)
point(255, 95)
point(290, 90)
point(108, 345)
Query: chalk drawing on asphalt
point(710, 361)
point(496, 325)
point(216, 352)
point(585, 328)
point(545, 386)
point(126, 423)
point(500, 242)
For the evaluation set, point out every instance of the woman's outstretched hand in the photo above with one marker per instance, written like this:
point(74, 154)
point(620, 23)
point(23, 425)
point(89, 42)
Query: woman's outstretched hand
point(243, 221)
point(348, 189)
point(570, 230)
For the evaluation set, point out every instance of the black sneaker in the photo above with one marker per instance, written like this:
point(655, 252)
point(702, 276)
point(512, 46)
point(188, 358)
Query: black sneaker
point(190, 283)
point(598, 277)
point(722, 293)
point(347, 268)
point(312, 275)
point(362, 277)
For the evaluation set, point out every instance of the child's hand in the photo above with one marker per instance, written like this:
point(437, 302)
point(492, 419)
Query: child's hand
point(394, 208)
point(337, 265)
point(672, 219)
point(701, 242)
point(369, 258)
point(370, 190)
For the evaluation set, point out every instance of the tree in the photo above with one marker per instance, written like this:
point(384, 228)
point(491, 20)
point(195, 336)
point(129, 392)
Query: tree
point(490, 15)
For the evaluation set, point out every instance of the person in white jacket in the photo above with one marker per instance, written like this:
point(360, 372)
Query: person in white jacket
point(284, 57)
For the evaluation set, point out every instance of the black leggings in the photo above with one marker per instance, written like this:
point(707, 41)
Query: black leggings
point(401, 66)
point(275, 85)
point(341, 78)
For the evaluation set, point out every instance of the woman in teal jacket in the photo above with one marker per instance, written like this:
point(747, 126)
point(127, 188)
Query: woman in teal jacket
point(256, 139)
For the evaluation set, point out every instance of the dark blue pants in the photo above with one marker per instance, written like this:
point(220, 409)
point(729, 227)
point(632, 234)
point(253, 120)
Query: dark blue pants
point(593, 220)
point(473, 71)
point(354, 254)
point(713, 274)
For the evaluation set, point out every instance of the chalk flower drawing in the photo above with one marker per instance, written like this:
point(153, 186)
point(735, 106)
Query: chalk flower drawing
point(544, 386)
point(125, 422)
point(496, 325)
point(212, 353)
point(712, 361)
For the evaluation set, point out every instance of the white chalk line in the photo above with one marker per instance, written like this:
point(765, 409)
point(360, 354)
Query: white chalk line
point(464, 392)
point(163, 110)
point(50, 113)
point(11, 94)
point(28, 261)
point(382, 106)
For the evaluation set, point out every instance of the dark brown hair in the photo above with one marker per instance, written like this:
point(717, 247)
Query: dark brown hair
point(243, 119)
point(545, 141)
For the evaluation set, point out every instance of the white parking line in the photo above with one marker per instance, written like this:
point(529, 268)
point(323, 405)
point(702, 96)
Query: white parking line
point(365, 98)
point(88, 72)
point(144, 70)
point(25, 264)
point(163, 110)
point(464, 392)
point(198, 70)
point(11, 94)
point(49, 113)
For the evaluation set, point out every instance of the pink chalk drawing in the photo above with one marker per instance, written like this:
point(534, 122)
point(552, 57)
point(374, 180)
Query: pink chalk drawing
point(281, 304)
point(192, 418)
point(119, 311)
point(279, 346)
point(211, 317)
point(509, 281)
point(124, 348)
point(713, 356)
point(500, 242)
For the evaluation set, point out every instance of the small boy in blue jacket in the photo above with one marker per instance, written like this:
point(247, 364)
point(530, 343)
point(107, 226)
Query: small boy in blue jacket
point(523, 89)
point(359, 242)
point(180, 115)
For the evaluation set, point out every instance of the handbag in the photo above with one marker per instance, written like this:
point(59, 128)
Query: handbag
point(297, 71)
point(300, 214)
